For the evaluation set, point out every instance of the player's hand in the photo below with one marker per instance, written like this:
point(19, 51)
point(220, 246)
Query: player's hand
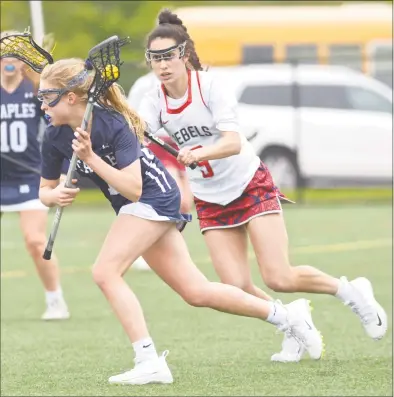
point(64, 196)
point(82, 145)
point(188, 156)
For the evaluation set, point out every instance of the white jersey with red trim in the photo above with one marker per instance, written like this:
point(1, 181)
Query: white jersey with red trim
point(197, 120)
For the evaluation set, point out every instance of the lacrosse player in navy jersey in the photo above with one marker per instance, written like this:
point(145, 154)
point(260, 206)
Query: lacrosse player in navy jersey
point(20, 167)
point(146, 200)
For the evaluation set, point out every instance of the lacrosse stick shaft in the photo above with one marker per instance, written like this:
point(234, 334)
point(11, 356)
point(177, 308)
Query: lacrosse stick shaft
point(166, 147)
point(68, 183)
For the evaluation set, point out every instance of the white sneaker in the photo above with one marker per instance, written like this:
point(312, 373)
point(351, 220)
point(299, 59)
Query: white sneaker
point(56, 310)
point(363, 303)
point(300, 326)
point(140, 264)
point(144, 372)
point(291, 352)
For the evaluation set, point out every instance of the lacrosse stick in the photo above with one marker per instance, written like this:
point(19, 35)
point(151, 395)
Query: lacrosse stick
point(23, 47)
point(104, 59)
point(166, 147)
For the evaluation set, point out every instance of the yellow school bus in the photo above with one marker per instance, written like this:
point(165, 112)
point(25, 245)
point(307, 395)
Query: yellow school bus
point(357, 35)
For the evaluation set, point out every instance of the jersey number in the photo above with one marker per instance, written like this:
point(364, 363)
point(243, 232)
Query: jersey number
point(206, 171)
point(13, 138)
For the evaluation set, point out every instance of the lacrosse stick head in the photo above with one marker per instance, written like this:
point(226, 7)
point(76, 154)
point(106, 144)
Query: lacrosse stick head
point(23, 47)
point(100, 70)
point(105, 60)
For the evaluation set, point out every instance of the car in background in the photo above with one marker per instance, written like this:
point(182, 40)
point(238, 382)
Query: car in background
point(314, 125)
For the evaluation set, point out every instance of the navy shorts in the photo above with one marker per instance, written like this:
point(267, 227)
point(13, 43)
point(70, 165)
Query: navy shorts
point(20, 195)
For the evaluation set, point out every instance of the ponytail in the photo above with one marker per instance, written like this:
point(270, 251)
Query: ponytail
point(115, 98)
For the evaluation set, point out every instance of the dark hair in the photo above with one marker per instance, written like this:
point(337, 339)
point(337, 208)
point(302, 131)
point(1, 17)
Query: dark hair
point(171, 27)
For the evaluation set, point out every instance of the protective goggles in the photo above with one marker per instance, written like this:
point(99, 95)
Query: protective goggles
point(168, 54)
point(51, 96)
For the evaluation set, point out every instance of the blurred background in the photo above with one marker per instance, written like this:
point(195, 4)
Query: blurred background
point(313, 79)
point(314, 85)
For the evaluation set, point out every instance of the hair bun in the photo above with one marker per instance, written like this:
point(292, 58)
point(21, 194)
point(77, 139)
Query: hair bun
point(167, 16)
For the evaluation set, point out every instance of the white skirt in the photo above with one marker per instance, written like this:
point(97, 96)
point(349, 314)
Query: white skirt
point(30, 205)
point(145, 211)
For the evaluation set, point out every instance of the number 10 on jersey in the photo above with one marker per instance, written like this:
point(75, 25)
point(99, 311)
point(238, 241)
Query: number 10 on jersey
point(13, 137)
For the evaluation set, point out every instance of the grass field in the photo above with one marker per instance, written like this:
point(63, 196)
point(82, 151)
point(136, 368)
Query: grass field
point(210, 353)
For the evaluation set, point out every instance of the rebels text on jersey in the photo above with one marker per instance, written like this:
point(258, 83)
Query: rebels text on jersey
point(113, 141)
point(198, 119)
point(20, 123)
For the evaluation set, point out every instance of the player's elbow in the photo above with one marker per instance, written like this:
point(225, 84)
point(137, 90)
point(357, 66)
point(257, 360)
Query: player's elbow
point(138, 192)
point(237, 147)
point(44, 196)
point(131, 182)
point(231, 143)
point(235, 144)
point(133, 192)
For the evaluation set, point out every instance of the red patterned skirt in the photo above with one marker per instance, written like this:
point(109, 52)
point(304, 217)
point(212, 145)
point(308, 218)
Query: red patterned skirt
point(260, 197)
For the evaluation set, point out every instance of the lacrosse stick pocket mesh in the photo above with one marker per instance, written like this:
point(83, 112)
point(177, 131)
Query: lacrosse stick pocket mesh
point(23, 47)
point(105, 59)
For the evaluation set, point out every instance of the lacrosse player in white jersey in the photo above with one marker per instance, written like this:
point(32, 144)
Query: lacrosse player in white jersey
point(232, 188)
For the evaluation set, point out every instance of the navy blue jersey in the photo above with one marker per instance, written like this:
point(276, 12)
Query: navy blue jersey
point(20, 122)
point(119, 147)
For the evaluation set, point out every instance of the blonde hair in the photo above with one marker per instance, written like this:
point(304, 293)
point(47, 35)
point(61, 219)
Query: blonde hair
point(63, 71)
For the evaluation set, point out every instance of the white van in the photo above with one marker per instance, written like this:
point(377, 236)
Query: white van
point(314, 124)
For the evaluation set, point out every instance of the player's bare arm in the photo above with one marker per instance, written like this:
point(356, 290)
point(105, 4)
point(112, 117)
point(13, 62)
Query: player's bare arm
point(228, 145)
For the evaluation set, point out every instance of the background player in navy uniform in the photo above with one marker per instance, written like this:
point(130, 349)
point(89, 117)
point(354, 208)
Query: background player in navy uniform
point(147, 201)
point(20, 157)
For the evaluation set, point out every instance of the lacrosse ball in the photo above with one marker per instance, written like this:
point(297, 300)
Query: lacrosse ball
point(111, 72)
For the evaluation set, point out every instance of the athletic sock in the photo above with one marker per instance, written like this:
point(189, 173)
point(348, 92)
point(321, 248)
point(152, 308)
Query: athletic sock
point(51, 296)
point(277, 314)
point(345, 290)
point(144, 349)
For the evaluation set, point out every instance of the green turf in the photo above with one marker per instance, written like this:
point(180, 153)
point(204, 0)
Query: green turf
point(210, 353)
point(308, 196)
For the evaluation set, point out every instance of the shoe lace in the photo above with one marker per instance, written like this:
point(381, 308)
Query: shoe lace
point(291, 332)
point(363, 310)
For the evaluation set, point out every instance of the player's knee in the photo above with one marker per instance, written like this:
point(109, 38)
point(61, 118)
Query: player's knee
point(196, 296)
point(105, 276)
point(100, 276)
point(35, 245)
point(279, 282)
